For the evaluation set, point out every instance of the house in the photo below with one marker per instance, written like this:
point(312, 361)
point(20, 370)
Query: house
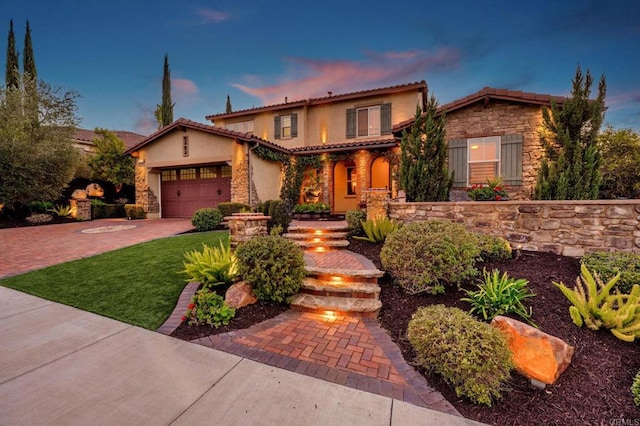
point(82, 139)
point(353, 136)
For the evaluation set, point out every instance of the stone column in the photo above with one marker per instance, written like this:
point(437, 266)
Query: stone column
point(377, 202)
point(80, 208)
point(245, 226)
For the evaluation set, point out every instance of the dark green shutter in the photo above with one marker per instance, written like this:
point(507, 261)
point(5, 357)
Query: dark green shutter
point(385, 119)
point(294, 125)
point(276, 127)
point(511, 159)
point(458, 162)
point(351, 123)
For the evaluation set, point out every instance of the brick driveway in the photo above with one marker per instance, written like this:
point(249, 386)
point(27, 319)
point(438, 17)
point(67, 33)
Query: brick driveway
point(35, 247)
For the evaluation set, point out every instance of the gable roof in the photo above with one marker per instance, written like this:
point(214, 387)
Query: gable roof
point(486, 95)
point(420, 86)
point(184, 123)
point(129, 138)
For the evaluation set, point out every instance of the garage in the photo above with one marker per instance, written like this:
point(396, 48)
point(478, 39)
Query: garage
point(185, 190)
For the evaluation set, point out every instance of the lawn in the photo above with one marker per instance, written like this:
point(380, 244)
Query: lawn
point(139, 285)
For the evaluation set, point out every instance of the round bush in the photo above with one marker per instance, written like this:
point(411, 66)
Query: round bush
point(608, 265)
point(354, 220)
point(493, 247)
point(426, 256)
point(206, 219)
point(274, 266)
point(471, 356)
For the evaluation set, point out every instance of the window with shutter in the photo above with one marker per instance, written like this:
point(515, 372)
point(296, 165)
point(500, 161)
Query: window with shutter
point(385, 119)
point(286, 126)
point(351, 123)
point(458, 162)
point(484, 159)
point(276, 127)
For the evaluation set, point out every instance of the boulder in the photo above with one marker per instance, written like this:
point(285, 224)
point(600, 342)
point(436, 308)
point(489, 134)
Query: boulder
point(536, 355)
point(79, 194)
point(95, 190)
point(240, 294)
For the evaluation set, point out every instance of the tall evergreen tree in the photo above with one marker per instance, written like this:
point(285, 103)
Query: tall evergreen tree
point(12, 73)
point(166, 108)
point(423, 159)
point(228, 108)
point(569, 136)
point(28, 59)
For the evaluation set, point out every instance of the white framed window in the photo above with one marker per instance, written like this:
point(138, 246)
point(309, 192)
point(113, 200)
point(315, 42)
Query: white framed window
point(285, 126)
point(241, 126)
point(368, 121)
point(483, 159)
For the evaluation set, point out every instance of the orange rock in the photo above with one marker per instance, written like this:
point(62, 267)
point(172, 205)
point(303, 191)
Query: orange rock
point(240, 294)
point(536, 355)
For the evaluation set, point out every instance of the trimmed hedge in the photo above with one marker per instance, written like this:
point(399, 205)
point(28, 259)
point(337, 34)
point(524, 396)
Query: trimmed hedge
point(206, 219)
point(134, 211)
point(102, 211)
point(229, 208)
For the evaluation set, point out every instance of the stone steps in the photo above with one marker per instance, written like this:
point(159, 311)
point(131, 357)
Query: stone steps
point(340, 288)
point(328, 237)
point(341, 306)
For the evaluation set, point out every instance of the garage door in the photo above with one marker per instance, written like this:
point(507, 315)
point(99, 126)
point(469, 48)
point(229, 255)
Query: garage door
point(188, 189)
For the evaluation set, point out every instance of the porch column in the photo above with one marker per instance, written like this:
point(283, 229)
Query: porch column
point(377, 202)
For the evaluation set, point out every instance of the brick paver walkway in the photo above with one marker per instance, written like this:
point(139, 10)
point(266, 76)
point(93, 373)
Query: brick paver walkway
point(35, 247)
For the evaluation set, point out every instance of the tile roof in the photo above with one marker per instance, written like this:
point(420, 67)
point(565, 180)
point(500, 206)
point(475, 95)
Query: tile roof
point(129, 138)
point(183, 122)
point(420, 85)
point(485, 95)
point(345, 146)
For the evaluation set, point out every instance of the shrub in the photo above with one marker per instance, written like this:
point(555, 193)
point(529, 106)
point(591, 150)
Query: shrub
point(134, 211)
point(490, 191)
point(212, 266)
point(608, 265)
point(311, 208)
point(499, 295)
point(471, 356)
point(493, 247)
point(208, 308)
point(206, 219)
point(274, 266)
point(102, 210)
point(635, 389)
point(280, 213)
point(354, 220)
point(594, 306)
point(39, 218)
point(227, 209)
point(61, 211)
point(426, 256)
point(378, 229)
point(40, 206)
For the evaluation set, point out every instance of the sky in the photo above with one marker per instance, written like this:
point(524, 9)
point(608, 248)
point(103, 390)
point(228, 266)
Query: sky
point(259, 52)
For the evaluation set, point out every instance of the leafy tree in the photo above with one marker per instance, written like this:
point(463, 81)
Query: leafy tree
point(28, 59)
point(620, 165)
point(12, 73)
point(570, 169)
point(228, 108)
point(423, 159)
point(164, 112)
point(110, 162)
point(37, 159)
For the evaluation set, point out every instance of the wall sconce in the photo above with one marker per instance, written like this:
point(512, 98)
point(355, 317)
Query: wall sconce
point(141, 161)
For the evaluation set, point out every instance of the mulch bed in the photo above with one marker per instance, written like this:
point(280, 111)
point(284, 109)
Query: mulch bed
point(6, 222)
point(593, 390)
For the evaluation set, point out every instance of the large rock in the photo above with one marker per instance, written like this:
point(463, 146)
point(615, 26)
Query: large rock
point(536, 355)
point(240, 294)
point(79, 194)
point(95, 190)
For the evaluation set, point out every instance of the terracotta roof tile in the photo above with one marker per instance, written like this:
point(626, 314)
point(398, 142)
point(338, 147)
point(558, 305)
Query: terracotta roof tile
point(129, 138)
point(345, 146)
point(420, 85)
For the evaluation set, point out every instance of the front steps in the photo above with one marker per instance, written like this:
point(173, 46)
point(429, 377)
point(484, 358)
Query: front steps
point(345, 283)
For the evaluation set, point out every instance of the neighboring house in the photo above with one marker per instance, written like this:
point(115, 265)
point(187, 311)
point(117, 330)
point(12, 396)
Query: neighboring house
point(83, 139)
point(189, 165)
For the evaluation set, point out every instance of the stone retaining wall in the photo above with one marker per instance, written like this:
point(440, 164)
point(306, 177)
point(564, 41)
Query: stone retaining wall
point(570, 228)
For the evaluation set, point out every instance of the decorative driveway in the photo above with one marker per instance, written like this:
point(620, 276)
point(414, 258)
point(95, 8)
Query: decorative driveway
point(35, 247)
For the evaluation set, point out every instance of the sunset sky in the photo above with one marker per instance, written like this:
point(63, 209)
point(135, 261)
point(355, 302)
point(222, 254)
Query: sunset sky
point(258, 52)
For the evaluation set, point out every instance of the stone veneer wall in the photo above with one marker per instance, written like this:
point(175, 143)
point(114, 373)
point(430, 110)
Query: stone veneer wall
point(245, 226)
point(377, 202)
point(240, 182)
point(570, 228)
point(144, 195)
point(501, 118)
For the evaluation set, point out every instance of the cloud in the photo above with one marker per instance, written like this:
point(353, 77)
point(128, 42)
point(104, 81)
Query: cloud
point(145, 122)
point(314, 78)
point(623, 100)
point(209, 16)
point(183, 90)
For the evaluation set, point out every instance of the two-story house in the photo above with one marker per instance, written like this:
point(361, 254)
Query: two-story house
point(189, 165)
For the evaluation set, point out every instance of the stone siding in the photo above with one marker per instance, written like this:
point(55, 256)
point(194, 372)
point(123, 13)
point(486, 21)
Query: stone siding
point(570, 228)
point(499, 119)
point(377, 202)
point(144, 195)
point(240, 182)
point(245, 226)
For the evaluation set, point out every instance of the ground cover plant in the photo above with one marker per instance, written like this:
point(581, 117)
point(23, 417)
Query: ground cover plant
point(138, 285)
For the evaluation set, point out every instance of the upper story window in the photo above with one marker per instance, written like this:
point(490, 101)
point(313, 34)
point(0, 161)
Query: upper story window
point(484, 159)
point(240, 126)
point(285, 126)
point(374, 120)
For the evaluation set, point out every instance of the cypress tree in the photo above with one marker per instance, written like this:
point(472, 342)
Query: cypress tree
point(167, 106)
point(228, 109)
point(28, 59)
point(569, 135)
point(12, 73)
point(423, 167)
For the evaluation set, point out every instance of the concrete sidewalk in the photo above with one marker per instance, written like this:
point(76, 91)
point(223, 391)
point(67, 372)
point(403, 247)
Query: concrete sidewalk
point(61, 365)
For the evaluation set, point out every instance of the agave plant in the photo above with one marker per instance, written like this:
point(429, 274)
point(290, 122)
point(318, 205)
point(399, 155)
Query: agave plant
point(212, 266)
point(378, 229)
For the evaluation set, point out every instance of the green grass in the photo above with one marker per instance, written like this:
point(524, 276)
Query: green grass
point(139, 285)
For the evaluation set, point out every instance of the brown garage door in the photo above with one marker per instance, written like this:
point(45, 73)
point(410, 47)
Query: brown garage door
point(188, 189)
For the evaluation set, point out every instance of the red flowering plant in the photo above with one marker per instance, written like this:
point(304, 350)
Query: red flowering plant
point(207, 307)
point(493, 190)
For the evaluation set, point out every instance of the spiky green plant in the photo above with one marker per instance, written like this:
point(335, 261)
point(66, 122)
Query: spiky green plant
point(635, 389)
point(595, 306)
point(211, 266)
point(61, 211)
point(378, 229)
